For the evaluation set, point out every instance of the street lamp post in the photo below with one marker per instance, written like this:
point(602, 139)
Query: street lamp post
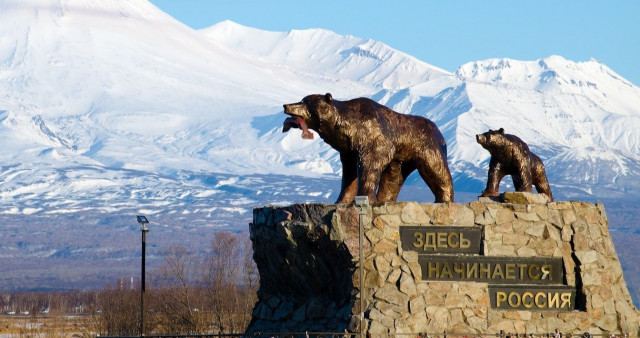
point(143, 222)
point(362, 202)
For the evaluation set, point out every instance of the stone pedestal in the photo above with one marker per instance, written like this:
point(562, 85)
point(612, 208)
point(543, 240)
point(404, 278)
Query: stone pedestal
point(308, 259)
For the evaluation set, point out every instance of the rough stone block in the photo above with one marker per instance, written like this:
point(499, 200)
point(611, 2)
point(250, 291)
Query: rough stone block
point(394, 276)
point(527, 216)
point(568, 216)
point(308, 257)
point(382, 264)
point(505, 216)
point(456, 317)
point(484, 218)
point(518, 197)
point(478, 323)
point(418, 322)
point(417, 304)
point(501, 250)
point(464, 216)
point(378, 316)
point(441, 316)
point(456, 300)
point(412, 213)
point(587, 256)
point(378, 328)
point(515, 239)
point(536, 229)
point(385, 245)
point(490, 199)
point(526, 252)
point(391, 294)
point(408, 285)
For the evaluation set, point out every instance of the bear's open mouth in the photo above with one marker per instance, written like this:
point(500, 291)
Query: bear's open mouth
point(297, 122)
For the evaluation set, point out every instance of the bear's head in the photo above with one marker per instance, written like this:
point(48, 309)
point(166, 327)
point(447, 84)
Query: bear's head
point(491, 138)
point(312, 110)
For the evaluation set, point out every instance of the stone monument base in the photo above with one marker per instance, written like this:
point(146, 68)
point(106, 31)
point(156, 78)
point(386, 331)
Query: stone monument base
point(481, 267)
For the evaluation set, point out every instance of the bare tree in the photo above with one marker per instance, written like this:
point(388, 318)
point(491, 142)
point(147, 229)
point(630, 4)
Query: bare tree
point(251, 280)
point(176, 302)
point(118, 311)
point(229, 278)
point(220, 276)
point(188, 296)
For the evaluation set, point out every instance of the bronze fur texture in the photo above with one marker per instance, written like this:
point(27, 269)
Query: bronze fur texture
point(378, 147)
point(511, 156)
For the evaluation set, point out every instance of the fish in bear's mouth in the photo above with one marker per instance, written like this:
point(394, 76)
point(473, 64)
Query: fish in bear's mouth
point(297, 122)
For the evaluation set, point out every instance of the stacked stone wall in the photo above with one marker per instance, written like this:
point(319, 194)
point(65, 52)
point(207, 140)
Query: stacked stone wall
point(308, 258)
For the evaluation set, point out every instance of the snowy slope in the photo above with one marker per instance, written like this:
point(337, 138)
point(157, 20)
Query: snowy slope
point(566, 103)
point(118, 101)
point(125, 93)
point(322, 52)
point(581, 117)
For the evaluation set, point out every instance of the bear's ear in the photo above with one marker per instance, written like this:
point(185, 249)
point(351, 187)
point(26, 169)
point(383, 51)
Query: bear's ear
point(501, 131)
point(328, 97)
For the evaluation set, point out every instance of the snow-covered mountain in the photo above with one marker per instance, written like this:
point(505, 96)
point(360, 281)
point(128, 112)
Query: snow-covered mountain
point(581, 117)
point(324, 53)
point(113, 107)
point(98, 98)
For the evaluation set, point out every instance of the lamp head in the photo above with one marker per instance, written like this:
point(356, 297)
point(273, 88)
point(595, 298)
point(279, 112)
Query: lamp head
point(362, 200)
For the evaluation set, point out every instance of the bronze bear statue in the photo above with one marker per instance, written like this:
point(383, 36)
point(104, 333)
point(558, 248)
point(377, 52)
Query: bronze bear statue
point(511, 156)
point(378, 147)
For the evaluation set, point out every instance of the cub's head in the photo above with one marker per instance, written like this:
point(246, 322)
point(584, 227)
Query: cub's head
point(491, 138)
point(313, 109)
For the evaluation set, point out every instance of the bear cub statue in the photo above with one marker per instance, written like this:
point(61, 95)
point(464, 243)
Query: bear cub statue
point(378, 147)
point(511, 156)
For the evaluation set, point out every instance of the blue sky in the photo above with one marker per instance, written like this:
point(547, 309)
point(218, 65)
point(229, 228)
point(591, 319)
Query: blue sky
point(447, 34)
